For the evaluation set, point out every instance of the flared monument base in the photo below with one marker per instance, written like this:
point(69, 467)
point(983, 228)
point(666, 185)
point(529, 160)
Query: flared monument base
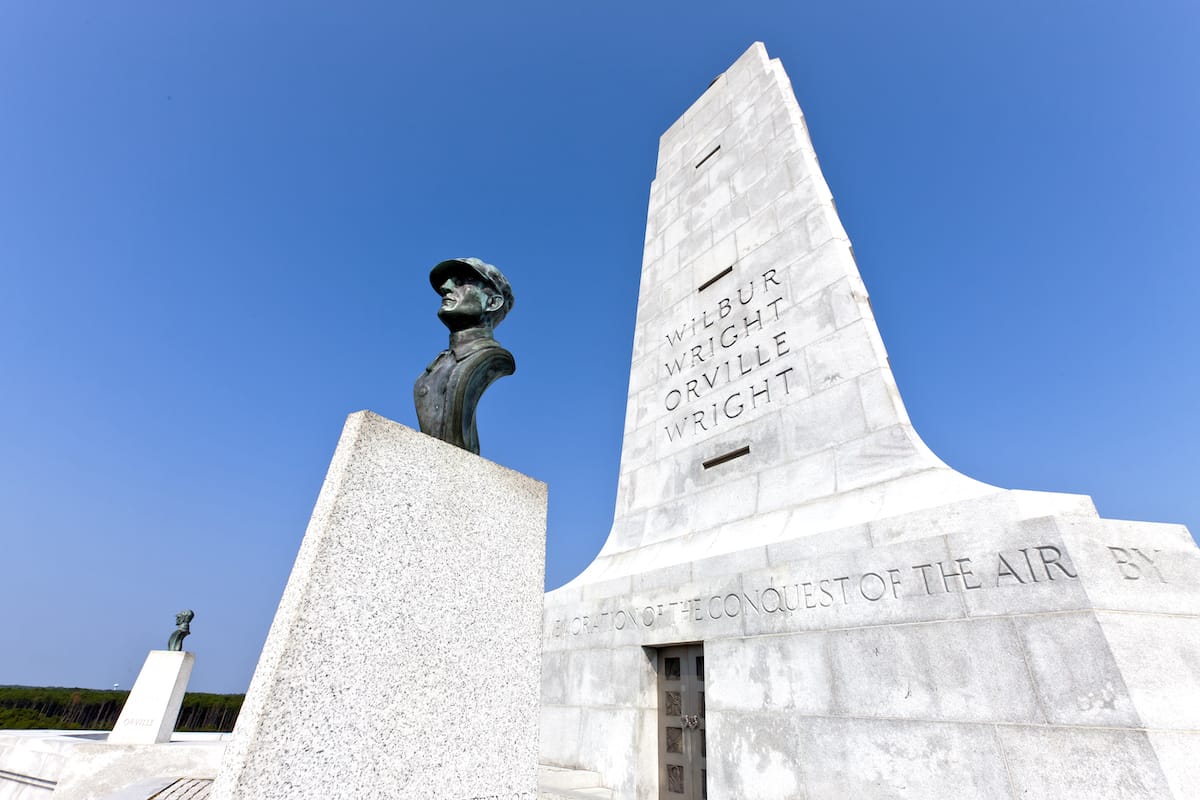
point(1045, 658)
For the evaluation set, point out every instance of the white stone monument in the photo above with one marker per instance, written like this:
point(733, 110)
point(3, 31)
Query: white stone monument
point(404, 659)
point(149, 715)
point(797, 598)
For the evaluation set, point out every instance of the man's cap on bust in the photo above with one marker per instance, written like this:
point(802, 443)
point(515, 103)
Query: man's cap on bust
point(473, 269)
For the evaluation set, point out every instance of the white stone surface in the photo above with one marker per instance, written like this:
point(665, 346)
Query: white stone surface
point(404, 658)
point(874, 624)
point(82, 765)
point(150, 713)
point(556, 782)
point(99, 770)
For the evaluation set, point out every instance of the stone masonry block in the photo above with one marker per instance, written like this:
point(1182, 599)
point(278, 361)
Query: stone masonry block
point(370, 677)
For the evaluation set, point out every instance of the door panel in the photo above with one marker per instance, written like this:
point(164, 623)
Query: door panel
point(682, 747)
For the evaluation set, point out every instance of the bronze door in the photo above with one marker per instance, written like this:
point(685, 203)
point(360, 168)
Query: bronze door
point(681, 744)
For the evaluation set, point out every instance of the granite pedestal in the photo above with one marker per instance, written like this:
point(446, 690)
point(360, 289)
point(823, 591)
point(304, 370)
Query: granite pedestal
point(150, 712)
point(403, 661)
point(872, 623)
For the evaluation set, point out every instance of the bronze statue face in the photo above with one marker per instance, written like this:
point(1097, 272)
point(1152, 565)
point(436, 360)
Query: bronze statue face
point(467, 303)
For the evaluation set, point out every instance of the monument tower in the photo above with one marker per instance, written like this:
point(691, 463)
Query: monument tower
point(797, 598)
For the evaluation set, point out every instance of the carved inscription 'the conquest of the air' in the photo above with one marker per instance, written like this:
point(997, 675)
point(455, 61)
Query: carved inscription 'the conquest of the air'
point(1025, 566)
point(728, 361)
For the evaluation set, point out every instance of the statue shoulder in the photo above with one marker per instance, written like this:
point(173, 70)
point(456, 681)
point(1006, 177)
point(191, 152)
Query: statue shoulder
point(493, 354)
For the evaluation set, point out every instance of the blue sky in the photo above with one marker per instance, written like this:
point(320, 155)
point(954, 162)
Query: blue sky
point(216, 223)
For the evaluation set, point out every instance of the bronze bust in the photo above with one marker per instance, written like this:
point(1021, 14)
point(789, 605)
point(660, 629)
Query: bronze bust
point(475, 299)
point(183, 626)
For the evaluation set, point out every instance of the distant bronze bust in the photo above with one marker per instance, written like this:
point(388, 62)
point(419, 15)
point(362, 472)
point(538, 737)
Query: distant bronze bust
point(475, 299)
point(183, 626)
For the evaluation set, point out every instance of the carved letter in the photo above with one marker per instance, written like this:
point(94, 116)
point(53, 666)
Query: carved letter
point(925, 577)
point(781, 348)
point(725, 408)
point(786, 389)
point(946, 576)
point(964, 565)
point(786, 604)
point(754, 395)
point(1005, 569)
point(750, 602)
point(1150, 562)
point(1053, 560)
point(1028, 563)
point(774, 592)
point(862, 586)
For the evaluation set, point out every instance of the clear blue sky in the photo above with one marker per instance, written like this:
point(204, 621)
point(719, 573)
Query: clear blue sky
point(217, 219)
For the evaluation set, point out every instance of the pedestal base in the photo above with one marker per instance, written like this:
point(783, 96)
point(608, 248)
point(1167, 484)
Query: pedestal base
point(404, 658)
point(153, 706)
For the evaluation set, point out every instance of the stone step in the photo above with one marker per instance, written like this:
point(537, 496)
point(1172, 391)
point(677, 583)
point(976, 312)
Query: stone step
point(591, 793)
point(559, 783)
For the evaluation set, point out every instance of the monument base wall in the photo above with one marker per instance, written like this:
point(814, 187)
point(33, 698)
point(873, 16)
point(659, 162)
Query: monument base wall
point(404, 658)
point(1039, 658)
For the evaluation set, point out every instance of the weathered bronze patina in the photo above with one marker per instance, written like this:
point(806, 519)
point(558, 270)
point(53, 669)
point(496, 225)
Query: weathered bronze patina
point(183, 626)
point(475, 299)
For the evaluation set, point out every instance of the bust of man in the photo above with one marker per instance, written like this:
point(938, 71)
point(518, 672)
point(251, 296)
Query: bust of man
point(183, 627)
point(475, 299)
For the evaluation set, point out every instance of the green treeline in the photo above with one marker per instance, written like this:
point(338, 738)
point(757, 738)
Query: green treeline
point(97, 709)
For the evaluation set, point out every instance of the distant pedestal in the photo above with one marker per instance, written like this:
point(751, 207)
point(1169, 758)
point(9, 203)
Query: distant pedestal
point(404, 659)
point(153, 706)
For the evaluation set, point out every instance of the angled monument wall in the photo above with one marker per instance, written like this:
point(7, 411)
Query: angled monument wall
point(377, 678)
point(797, 598)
